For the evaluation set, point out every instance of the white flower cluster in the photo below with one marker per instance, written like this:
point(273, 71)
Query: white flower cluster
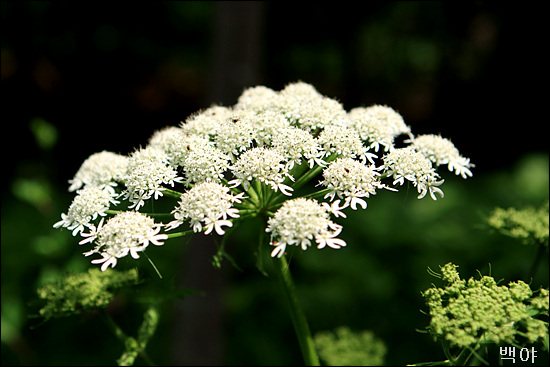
point(148, 169)
point(351, 180)
point(378, 125)
point(441, 151)
point(300, 222)
point(264, 165)
point(252, 158)
point(342, 141)
point(207, 204)
point(407, 163)
point(89, 203)
point(103, 169)
point(126, 233)
point(297, 144)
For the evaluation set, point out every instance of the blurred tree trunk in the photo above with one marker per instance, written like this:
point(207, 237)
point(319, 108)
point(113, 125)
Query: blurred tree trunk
point(237, 49)
point(236, 54)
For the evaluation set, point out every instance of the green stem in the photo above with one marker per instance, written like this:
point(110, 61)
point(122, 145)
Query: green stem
point(258, 187)
point(297, 314)
point(307, 176)
point(247, 212)
point(155, 215)
point(253, 196)
point(179, 234)
point(113, 212)
point(128, 340)
point(317, 194)
point(115, 329)
point(172, 193)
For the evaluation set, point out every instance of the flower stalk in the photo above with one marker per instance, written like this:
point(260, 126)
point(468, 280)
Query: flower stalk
point(297, 315)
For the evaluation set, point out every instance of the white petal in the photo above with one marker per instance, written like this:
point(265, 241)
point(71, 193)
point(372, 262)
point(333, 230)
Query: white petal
point(284, 189)
point(355, 201)
point(279, 250)
point(436, 190)
point(336, 243)
point(218, 226)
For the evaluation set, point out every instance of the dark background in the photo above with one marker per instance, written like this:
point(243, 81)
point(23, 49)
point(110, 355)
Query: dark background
point(105, 76)
point(108, 75)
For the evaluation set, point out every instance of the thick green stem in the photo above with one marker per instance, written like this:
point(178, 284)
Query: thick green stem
point(297, 314)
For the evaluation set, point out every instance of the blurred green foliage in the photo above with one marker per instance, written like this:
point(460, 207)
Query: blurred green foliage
point(81, 292)
point(344, 347)
point(530, 225)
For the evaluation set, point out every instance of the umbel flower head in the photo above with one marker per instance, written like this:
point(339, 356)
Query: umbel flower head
point(296, 145)
point(442, 151)
point(408, 164)
point(301, 222)
point(529, 225)
point(345, 347)
point(125, 233)
point(207, 205)
point(378, 126)
point(75, 293)
point(89, 203)
point(148, 169)
point(351, 180)
point(271, 155)
point(479, 311)
point(103, 169)
point(265, 165)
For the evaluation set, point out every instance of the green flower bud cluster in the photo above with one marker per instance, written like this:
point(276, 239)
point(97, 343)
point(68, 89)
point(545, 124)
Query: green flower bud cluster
point(81, 292)
point(529, 224)
point(344, 347)
point(479, 311)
